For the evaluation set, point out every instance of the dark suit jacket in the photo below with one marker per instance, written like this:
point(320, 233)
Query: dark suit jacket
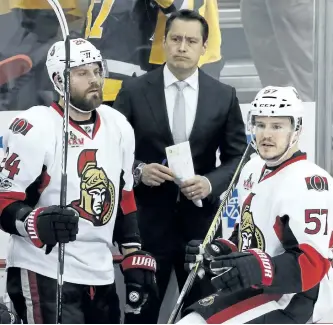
point(218, 124)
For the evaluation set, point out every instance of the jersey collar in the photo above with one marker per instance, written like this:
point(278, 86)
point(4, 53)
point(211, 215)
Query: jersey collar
point(75, 124)
point(296, 157)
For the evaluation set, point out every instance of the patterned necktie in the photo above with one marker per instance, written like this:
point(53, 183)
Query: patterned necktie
point(179, 117)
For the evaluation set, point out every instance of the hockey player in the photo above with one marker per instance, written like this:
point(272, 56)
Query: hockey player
point(99, 168)
point(276, 267)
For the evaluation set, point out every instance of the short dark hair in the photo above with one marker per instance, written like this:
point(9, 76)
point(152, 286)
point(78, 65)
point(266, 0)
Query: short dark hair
point(188, 15)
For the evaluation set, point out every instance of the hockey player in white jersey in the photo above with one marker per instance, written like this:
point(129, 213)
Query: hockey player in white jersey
point(99, 168)
point(275, 268)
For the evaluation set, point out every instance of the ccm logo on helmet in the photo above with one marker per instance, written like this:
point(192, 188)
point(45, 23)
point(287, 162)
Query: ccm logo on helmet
point(267, 105)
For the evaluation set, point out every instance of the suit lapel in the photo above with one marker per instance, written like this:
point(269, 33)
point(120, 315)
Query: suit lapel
point(204, 104)
point(154, 92)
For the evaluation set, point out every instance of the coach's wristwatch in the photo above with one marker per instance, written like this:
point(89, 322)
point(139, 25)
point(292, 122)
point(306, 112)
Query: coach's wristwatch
point(137, 174)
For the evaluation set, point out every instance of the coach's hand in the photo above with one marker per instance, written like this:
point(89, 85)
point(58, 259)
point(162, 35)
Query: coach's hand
point(194, 252)
point(52, 225)
point(238, 271)
point(196, 188)
point(139, 270)
point(156, 174)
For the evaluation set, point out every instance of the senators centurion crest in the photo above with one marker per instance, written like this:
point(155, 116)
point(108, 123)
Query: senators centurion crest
point(250, 236)
point(97, 192)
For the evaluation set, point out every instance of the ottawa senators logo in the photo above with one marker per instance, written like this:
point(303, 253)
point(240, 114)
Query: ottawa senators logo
point(20, 126)
point(97, 192)
point(250, 236)
point(317, 183)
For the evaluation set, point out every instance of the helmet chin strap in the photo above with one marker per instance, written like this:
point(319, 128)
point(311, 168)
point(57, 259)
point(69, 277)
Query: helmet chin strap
point(79, 110)
point(59, 89)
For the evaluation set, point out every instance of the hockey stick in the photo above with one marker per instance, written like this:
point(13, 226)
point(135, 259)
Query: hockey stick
point(210, 235)
point(14, 67)
point(63, 186)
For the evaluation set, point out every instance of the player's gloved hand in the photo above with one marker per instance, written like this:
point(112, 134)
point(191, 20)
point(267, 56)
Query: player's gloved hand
point(195, 253)
point(139, 270)
point(52, 225)
point(238, 271)
point(7, 317)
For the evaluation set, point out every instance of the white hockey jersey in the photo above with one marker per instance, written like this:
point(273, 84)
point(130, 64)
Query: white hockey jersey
point(290, 208)
point(98, 156)
point(249, 176)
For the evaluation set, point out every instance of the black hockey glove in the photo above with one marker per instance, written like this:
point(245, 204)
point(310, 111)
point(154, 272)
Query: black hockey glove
point(51, 225)
point(7, 317)
point(238, 271)
point(139, 270)
point(195, 252)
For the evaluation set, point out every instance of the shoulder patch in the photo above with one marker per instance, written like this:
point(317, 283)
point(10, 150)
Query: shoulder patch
point(248, 183)
point(20, 125)
point(317, 183)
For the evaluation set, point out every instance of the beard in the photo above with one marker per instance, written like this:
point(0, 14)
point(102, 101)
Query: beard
point(85, 104)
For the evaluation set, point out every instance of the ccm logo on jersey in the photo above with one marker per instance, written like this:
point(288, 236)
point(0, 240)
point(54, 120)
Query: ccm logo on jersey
point(74, 141)
point(317, 183)
point(21, 126)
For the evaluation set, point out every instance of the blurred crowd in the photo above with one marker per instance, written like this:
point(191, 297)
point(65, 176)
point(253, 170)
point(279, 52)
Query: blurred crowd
point(129, 33)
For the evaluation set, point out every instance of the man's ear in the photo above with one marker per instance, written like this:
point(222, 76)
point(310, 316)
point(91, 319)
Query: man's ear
point(298, 134)
point(204, 48)
point(58, 81)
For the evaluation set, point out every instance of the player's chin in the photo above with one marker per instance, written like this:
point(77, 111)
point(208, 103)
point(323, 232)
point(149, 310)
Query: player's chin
point(268, 153)
point(95, 101)
point(94, 96)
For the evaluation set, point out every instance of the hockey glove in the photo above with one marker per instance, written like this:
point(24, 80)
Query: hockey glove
point(139, 270)
point(238, 271)
point(51, 225)
point(195, 253)
point(7, 317)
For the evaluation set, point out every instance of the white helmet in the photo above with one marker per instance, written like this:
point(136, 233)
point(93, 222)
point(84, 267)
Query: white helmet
point(278, 102)
point(81, 52)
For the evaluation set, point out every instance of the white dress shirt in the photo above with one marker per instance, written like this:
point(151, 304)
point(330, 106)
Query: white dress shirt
point(191, 93)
